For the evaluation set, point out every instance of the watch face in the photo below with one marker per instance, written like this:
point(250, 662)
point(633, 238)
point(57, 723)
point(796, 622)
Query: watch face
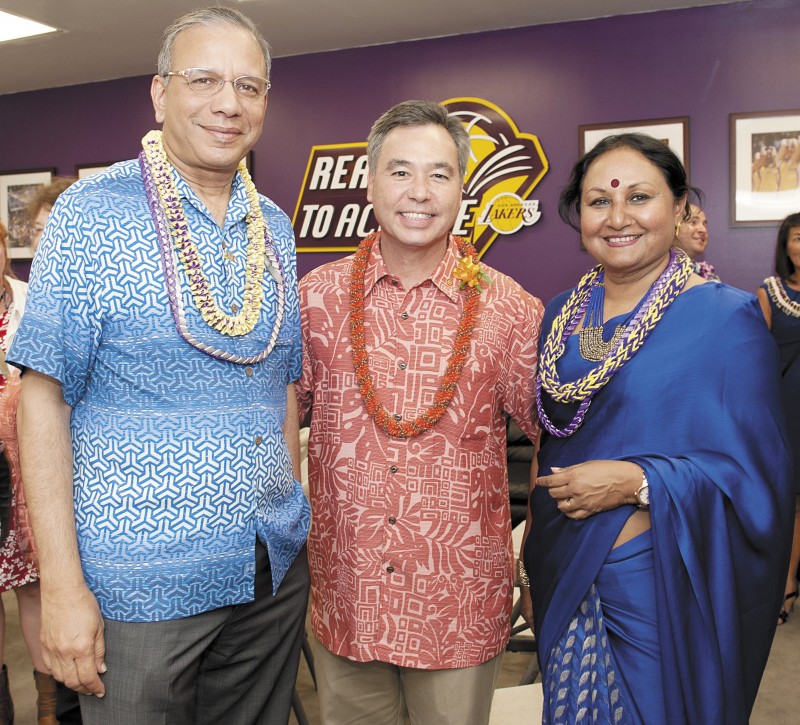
point(644, 496)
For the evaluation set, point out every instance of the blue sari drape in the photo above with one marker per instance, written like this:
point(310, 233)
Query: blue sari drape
point(698, 407)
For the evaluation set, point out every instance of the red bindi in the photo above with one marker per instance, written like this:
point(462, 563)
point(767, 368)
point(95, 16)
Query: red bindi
point(614, 183)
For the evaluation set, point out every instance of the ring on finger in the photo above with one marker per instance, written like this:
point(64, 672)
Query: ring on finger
point(569, 503)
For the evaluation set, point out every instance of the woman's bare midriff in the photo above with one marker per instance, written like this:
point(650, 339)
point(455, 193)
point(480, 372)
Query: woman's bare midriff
point(635, 525)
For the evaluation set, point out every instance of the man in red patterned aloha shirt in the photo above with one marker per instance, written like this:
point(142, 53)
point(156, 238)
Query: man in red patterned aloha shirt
point(412, 352)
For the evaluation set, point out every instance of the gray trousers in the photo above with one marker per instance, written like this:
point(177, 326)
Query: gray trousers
point(236, 665)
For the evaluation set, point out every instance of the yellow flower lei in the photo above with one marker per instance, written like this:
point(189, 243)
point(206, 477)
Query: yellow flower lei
point(189, 255)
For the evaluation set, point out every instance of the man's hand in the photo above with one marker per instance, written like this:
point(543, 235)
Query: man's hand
point(72, 639)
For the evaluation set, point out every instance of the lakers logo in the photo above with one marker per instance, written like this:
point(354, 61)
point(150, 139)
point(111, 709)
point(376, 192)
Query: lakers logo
point(508, 213)
point(504, 168)
point(505, 165)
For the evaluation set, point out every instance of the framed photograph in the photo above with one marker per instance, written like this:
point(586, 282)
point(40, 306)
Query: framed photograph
point(672, 131)
point(17, 189)
point(84, 170)
point(765, 167)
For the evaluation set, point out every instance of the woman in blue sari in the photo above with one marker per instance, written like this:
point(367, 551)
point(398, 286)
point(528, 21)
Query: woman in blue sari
point(659, 523)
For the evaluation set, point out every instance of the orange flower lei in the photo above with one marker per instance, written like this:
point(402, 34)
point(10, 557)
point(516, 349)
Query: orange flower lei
point(449, 382)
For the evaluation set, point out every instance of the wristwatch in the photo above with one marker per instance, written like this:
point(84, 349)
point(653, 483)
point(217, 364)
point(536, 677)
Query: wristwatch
point(643, 494)
point(522, 575)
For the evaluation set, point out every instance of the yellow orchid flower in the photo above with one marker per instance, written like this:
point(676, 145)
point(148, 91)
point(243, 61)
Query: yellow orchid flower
point(469, 273)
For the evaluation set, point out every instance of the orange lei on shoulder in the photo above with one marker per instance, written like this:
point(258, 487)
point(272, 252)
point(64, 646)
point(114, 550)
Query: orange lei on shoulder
point(449, 382)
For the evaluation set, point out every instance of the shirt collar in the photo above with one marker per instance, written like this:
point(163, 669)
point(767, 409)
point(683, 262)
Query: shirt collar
point(238, 205)
point(442, 276)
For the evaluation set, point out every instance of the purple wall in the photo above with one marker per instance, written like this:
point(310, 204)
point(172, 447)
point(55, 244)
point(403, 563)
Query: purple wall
point(703, 63)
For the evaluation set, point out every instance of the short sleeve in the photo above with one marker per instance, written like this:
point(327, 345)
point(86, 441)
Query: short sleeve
point(283, 238)
point(520, 363)
point(61, 328)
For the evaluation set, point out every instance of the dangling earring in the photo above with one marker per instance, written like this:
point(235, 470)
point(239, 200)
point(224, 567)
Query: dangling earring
point(677, 229)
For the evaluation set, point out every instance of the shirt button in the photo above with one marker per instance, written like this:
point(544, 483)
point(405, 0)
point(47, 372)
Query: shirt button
point(259, 439)
point(248, 372)
point(235, 308)
point(392, 520)
point(393, 469)
point(397, 416)
point(402, 366)
point(404, 315)
point(389, 569)
point(395, 283)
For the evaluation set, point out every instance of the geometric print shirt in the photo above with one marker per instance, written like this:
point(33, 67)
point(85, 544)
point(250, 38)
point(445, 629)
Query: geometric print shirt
point(410, 546)
point(179, 459)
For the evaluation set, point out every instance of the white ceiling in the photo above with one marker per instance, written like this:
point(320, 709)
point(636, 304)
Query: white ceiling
point(105, 39)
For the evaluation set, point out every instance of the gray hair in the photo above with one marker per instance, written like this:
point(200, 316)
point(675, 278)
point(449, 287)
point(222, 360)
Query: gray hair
point(418, 113)
point(209, 16)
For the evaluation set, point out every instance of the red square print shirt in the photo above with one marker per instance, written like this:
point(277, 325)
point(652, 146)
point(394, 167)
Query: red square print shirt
point(410, 545)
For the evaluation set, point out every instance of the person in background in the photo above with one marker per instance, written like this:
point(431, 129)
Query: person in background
point(42, 203)
point(692, 237)
point(158, 424)
point(779, 297)
point(658, 531)
point(67, 709)
point(18, 570)
point(411, 356)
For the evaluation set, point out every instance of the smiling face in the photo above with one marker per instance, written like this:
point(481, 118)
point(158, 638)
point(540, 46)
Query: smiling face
point(210, 133)
point(415, 188)
point(628, 213)
point(693, 233)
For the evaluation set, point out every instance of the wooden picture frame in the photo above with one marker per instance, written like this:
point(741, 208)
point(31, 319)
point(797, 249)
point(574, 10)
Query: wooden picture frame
point(672, 131)
point(17, 189)
point(764, 167)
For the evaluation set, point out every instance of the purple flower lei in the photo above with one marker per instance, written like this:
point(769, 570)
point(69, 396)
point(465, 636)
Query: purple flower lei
point(661, 294)
point(156, 200)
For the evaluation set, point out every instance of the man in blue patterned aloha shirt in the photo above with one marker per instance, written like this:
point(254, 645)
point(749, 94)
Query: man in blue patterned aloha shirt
point(158, 420)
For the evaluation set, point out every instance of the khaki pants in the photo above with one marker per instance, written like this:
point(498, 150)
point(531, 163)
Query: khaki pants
point(377, 693)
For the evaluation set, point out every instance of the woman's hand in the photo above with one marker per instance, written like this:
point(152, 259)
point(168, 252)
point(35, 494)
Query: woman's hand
point(526, 606)
point(593, 486)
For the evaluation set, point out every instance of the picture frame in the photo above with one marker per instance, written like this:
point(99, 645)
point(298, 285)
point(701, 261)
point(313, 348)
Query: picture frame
point(764, 167)
point(17, 189)
point(673, 131)
point(84, 170)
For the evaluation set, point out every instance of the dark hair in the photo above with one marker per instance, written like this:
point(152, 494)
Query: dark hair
point(418, 113)
point(46, 195)
point(7, 271)
point(655, 151)
point(784, 267)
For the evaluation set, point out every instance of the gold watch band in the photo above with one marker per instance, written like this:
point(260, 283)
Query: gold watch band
point(522, 574)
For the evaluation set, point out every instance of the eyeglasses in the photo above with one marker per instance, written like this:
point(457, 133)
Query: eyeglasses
point(207, 83)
